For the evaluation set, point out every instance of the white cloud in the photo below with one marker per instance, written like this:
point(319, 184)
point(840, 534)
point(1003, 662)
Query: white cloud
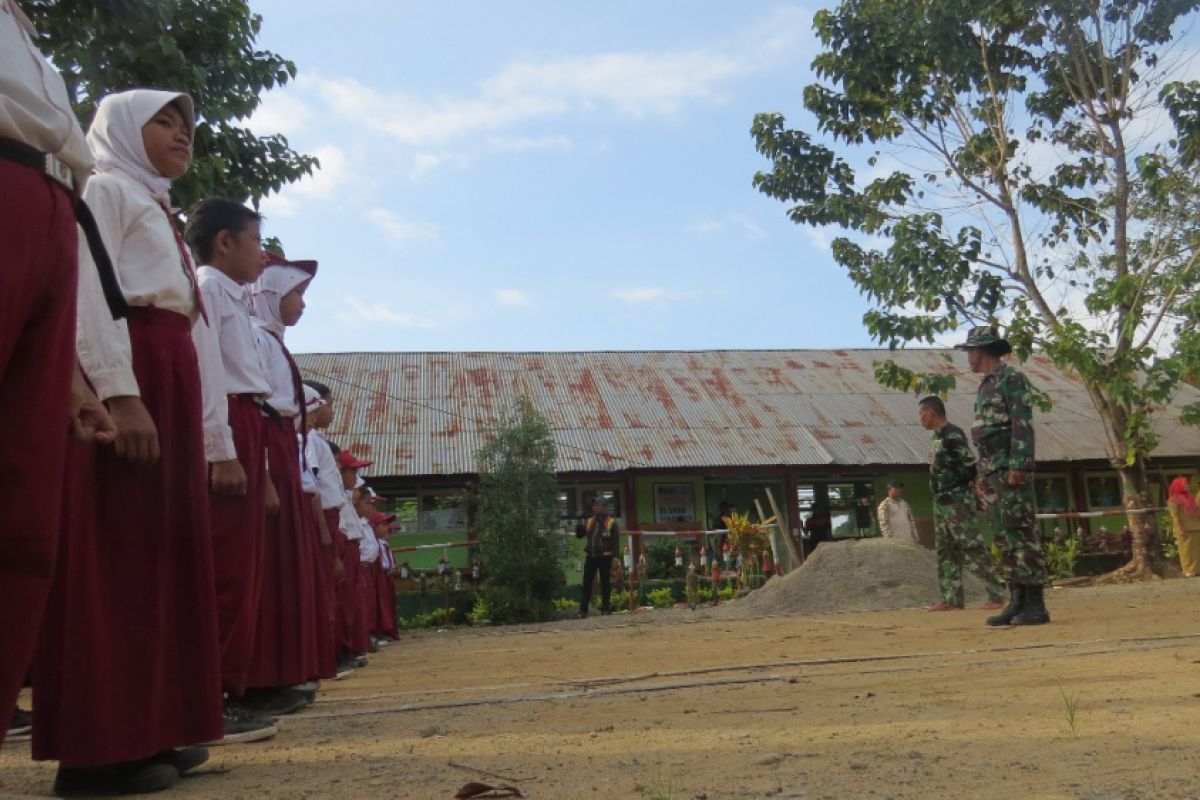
point(635, 85)
point(514, 298)
point(423, 163)
point(400, 229)
point(706, 226)
point(524, 143)
point(730, 222)
point(325, 181)
point(817, 238)
point(359, 312)
point(281, 111)
point(636, 295)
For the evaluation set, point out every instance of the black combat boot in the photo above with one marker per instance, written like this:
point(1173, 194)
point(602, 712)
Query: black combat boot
point(1033, 612)
point(1016, 600)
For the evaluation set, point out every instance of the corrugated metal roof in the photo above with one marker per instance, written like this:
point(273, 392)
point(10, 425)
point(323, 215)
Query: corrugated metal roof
point(429, 413)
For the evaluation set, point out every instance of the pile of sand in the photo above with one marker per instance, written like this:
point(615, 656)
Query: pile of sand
point(856, 575)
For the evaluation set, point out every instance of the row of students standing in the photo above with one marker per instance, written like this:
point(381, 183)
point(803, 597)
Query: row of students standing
point(186, 587)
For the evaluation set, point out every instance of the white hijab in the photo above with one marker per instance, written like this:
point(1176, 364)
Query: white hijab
point(272, 285)
point(115, 137)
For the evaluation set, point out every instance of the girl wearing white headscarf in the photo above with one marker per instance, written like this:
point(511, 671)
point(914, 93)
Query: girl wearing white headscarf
point(129, 667)
point(295, 647)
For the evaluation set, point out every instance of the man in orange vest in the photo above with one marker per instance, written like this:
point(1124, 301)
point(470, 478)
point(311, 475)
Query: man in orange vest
point(601, 533)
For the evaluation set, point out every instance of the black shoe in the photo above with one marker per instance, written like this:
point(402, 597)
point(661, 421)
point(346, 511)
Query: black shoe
point(1016, 599)
point(134, 777)
point(360, 661)
point(183, 759)
point(1034, 611)
point(273, 701)
point(20, 726)
point(242, 726)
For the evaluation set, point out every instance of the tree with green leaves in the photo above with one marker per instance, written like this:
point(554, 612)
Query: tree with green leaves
point(203, 47)
point(1016, 162)
point(516, 518)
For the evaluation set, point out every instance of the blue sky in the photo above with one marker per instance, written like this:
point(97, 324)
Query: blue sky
point(547, 176)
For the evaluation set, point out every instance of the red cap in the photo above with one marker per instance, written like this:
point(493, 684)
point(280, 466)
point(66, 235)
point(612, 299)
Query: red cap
point(379, 517)
point(276, 260)
point(347, 460)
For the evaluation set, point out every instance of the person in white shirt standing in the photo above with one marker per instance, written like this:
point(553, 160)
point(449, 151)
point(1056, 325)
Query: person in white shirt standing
point(334, 504)
point(287, 648)
point(227, 237)
point(44, 161)
point(896, 517)
point(127, 673)
point(359, 637)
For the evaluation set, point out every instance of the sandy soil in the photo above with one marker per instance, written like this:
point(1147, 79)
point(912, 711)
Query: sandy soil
point(683, 705)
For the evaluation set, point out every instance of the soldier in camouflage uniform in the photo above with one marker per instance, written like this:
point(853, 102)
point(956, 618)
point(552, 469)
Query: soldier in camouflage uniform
point(956, 530)
point(1003, 436)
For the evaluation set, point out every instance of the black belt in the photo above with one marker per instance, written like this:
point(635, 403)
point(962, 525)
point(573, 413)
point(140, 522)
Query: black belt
point(269, 410)
point(26, 156)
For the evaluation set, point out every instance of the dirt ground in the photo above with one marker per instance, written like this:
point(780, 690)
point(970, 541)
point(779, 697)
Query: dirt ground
point(682, 705)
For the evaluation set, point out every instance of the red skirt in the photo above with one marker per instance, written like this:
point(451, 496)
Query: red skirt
point(353, 637)
point(128, 664)
point(385, 614)
point(239, 530)
point(286, 648)
point(368, 597)
point(37, 354)
point(323, 578)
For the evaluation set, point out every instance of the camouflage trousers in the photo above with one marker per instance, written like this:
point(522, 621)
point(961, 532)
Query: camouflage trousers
point(960, 544)
point(1015, 530)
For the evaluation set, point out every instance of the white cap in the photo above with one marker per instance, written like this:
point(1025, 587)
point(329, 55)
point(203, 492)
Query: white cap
point(312, 399)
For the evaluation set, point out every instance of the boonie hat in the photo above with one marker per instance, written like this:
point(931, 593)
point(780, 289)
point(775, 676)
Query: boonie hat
point(984, 336)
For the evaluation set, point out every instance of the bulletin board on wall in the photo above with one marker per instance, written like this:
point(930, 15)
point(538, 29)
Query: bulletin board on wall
point(674, 502)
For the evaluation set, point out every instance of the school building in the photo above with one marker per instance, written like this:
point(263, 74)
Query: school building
point(668, 436)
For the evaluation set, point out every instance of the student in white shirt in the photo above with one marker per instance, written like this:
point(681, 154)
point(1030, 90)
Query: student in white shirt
point(287, 649)
point(37, 341)
point(227, 237)
point(333, 501)
point(359, 637)
point(129, 666)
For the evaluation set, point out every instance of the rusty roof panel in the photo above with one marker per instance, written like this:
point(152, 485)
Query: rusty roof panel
point(428, 413)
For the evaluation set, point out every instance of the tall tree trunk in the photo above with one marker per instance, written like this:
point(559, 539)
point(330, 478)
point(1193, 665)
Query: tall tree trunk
point(1146, 555)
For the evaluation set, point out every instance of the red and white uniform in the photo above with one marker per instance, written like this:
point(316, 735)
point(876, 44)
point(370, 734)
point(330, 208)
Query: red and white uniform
point(37, 337)
point(129, 664)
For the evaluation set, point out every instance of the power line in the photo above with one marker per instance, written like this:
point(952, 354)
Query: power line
point(475, 420)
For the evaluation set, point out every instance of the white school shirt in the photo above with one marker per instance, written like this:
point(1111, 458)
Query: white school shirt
point(368, 545)
point(34, 107)
point(325, 469)
point(308, 481)
point(137, 234)
point(282, 395)
point(386, 561)
point(226, 350)
point(348, 519)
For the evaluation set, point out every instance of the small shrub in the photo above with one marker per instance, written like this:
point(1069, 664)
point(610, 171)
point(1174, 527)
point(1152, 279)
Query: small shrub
point(479, 612)
point(660, 559)
point(726, 592)
point(431, 619)
point(1060, 558)
point(565, 604)
point(661, 598)
point(619, 600)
